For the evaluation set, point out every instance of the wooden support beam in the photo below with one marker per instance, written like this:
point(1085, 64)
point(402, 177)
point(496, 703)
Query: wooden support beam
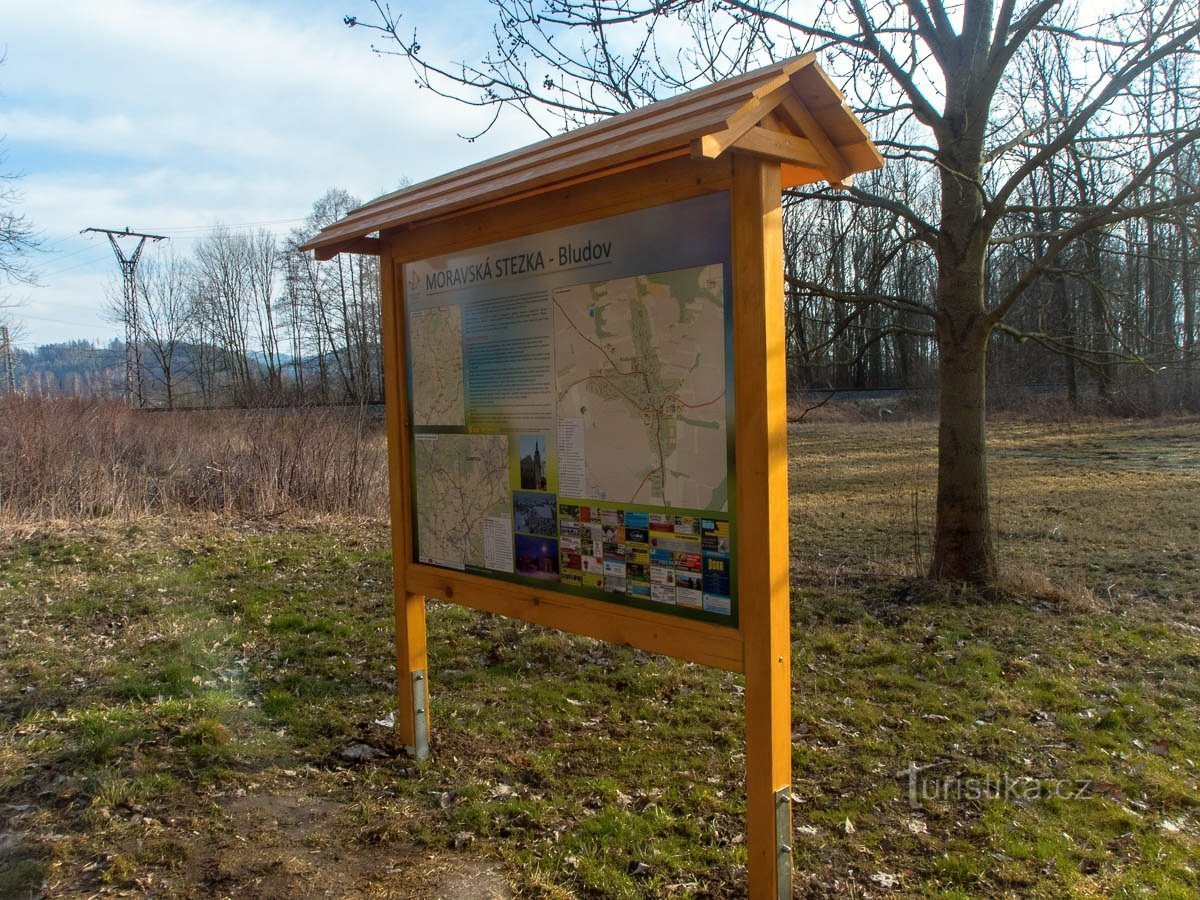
point(367, 246)
point(780, 147)
point(804, 122)
point(412, 667)
point(760, 408)
point(708, 644)
point(710, 146)
point(666, 182)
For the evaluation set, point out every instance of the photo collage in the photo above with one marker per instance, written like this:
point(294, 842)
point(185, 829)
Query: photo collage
point(680, 560)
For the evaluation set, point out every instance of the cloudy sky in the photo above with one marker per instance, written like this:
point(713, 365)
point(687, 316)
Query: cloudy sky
point(171, 116)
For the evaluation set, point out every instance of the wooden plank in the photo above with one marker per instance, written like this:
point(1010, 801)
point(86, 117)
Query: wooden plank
point(593, 175)
point(711, 146)
point(818, 95)
point(544, 165)
point(815, 88)
point(624, 140)
point(807, 125)
point(542, 175)
point(702, 642)
point(795, 176)
point(862, 157)
point(773, 122)
point(775, 145)
point(760, 404)
point(408, 608)
point(817, 92)
point(367, 246)
point(675, 179)
point(694, 110)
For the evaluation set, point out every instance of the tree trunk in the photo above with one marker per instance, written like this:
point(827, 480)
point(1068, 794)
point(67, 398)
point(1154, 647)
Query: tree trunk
point(962, 543)
point(170, 386)
point(962, 546)
point(1187, 290)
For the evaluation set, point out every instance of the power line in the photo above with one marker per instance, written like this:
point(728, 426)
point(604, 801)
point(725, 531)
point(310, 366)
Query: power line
point(186, 230)
point(133, 330)
point(55, 321)
point(91, 261)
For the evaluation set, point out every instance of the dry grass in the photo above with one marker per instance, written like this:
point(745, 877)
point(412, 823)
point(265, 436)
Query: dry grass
point(176, 695)
point(1092, 509)
point(81, 459)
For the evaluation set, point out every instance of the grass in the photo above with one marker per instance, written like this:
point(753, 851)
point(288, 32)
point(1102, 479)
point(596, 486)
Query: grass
point(177, 698)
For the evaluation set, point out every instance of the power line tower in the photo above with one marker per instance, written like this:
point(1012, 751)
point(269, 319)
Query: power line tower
point(9, 382)
point(134, 395)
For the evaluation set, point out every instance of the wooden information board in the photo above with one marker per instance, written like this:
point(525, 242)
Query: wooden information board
point(584, 347)
point(570, 397)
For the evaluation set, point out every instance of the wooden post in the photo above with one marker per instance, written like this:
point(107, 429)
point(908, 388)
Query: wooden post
point(760, 407)
point(412, 669)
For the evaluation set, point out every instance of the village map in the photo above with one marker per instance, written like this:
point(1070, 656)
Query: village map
point(641, 362)
point(437, 366)
point(461, 482)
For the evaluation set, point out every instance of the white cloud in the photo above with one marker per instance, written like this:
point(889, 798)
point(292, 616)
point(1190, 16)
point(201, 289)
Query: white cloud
point(179, 115)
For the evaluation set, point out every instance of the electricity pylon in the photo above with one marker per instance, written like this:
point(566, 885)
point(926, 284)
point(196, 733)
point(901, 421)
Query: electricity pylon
point(134, 395)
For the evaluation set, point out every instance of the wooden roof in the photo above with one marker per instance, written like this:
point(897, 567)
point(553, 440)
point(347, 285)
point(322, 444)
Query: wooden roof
point(789, 111)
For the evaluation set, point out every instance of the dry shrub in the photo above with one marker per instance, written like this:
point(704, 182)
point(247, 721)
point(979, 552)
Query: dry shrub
point(1026, 581)
point(72, 459)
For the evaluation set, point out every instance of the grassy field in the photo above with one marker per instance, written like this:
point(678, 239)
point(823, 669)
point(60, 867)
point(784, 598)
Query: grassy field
point(188, 706)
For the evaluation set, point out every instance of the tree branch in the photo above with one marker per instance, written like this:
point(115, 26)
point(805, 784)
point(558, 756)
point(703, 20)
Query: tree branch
point(855, 298)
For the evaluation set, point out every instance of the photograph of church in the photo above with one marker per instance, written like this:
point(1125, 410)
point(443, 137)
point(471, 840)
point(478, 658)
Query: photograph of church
point(533, 463)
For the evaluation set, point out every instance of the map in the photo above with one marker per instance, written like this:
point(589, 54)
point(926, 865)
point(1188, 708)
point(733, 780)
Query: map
point(640, 366)
point(461, 485)
point(435, 336)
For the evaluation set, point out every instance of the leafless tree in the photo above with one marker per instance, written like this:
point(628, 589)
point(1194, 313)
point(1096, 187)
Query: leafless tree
point(332, 310)
point(225, 305)
point(262, 258)
point(167, 319)
point(18, 240)
point(904, 63)
point(18, 237)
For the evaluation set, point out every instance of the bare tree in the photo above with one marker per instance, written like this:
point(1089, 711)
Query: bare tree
point(262, 267)
point(904, 63)
point(333, 308)
point(223, 304)
point(167, 318)
point(18, 238)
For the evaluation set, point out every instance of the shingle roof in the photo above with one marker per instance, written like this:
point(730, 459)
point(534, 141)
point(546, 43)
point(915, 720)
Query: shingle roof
point(789, 111)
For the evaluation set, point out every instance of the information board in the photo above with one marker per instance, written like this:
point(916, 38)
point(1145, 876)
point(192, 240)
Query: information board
point(571, 401)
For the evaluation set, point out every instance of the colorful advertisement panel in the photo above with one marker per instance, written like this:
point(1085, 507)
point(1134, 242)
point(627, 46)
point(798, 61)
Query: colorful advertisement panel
point(571, 401)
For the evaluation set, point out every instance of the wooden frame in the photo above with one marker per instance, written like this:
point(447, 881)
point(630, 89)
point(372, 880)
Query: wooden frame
point(749, 137)
point(761, 407)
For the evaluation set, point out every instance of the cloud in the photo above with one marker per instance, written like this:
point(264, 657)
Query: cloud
point(176, 116)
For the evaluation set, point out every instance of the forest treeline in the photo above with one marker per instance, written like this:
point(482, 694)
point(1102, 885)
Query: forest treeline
point(244, 319)
point(1110, 327)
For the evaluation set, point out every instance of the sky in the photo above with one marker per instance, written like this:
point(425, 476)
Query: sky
point(175, 116)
